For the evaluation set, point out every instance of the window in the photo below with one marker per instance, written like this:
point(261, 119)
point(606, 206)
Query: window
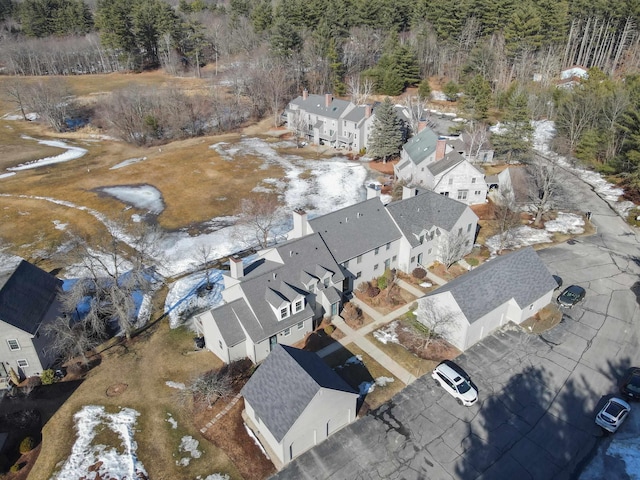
point(358, 275)
point(429, 251)
point(300, 325)
point(387, 263)
point(460, 231)
point(13, 344)
point(473, 180)
point(478, 192)
point(326, 282)
point(446, 194)
point(421, 239)
point(462, 194)
point(420, 258)
point(376, 251)
point(299, 305)
point(23, 363)
point(375, 267)
point(468, 228)
point(531, 307)
point(359, 259)
point(389, 246)
point(413, 259)
point(220, 344)
point(451, 181)
point(284, 312)
point(395, 257)
point(286, 332)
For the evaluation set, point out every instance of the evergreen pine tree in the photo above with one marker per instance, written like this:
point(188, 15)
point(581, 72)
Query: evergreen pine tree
point(385, 139)
point(514, 142)
point(477, 98)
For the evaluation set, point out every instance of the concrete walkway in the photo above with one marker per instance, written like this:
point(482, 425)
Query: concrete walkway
point(379, 320)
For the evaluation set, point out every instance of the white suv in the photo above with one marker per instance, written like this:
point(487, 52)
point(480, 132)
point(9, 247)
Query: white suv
point(454, 383)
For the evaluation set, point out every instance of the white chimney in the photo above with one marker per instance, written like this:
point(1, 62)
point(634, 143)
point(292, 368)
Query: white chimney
point(300, 225)
point(236, 267)
point(408, 192)
point(372, 192)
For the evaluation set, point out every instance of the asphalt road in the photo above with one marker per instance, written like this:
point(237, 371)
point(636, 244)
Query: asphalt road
point(538, 393)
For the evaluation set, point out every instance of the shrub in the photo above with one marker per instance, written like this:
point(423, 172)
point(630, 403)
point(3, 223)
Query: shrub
point(363, 287)
point(473, 261)
point(419, 273)
point(352, 315)
point(382, 282)
point(15, 468)
point(373, 291)
point(329, 329)
point(48, 377)
point(27, 444)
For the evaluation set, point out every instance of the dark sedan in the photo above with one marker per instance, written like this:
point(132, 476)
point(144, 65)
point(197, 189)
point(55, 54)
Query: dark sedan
point(630, 386)
point(570, 296)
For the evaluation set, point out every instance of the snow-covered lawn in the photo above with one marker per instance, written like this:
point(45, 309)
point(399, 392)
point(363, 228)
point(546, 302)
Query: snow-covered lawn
point(88, 460)
point(190, 294)
point(144, 197)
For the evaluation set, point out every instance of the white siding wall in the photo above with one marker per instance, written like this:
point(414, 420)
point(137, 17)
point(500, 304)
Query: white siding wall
point(460, 179)
point(27, 350)
point(213, 339)
point(457, 332)
point(488, 323)
point(367, 266)
point(258, 352)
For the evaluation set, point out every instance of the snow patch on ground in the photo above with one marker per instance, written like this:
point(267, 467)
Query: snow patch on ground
point(255, 440)
point(566, 223)
point(58, 225)
point(189, 445)
point(88, 460)
point(71, 153)
point(189, 294)
point(366, 387)
point(387, 334)
point(383, 381)
point(214, 476)
point(176, 385)
point(143, 197)
point(126, 163)
point(519, 237)
point(172, 421)
point(7, 175)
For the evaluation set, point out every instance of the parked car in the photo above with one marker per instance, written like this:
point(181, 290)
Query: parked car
point(570, 296)
point(630, 386)
point(613, 414)
point(455, 383)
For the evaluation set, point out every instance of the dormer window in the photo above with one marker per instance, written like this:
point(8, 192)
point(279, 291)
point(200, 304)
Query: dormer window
point(284, 313)
point(312, 288)
point(421, 239)
point(299, 305)
point(326, 282)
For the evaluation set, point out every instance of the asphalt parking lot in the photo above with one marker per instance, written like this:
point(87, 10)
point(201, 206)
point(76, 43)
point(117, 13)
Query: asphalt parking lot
point(538, 393)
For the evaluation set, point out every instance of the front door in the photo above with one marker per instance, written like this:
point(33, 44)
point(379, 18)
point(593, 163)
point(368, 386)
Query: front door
point(334, 309)
point(273, 341)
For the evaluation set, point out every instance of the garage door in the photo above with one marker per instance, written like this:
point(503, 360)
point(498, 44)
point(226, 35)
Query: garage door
point(301, 444)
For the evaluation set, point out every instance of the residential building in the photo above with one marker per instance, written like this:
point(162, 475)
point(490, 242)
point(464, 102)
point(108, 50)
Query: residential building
point(294, 401)
point(508, 288)
point(277, 298)
point(454, 176)
point(28, 302)
point(325, 120)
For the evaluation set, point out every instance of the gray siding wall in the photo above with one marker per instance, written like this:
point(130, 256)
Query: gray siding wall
point(26, 352)
point(259, 351)
point(369, 260)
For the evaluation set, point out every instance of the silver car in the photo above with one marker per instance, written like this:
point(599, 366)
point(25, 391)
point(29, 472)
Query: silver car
point(454, 383)
point(613, 414)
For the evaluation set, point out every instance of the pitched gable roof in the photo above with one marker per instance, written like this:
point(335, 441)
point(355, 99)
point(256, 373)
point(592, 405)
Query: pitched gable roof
point(316, 104)
point(357, 229)
point(284, 385)
point(26, 296)
point(449, 161)
point(227, 318)
point(520, 275)
point(421, 145)
point(268, 283)
point(423, 211)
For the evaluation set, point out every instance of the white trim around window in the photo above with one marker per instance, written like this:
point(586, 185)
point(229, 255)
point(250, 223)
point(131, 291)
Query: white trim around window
point(22, 363)
point(286, 332)
point(13, 344)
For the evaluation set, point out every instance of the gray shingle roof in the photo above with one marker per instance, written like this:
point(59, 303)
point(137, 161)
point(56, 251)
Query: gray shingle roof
point(357, 229)
point(316, 104)
point(27, 296)
point(305, 254)
point(423, 211)
point(450, 160)
point(284, 385)
point(357, 114)
point(227, 318)
point(520, 275)
point(421, 145)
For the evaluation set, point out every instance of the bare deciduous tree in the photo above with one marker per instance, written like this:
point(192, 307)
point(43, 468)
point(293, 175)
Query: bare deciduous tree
point(299, 127)
point(359, 90)
point(452, 247)
point(543, 186)
point(16, 92)
point(72, 338)
point(414, 106)
point(441, 322)
point(204, 256)
point(476, 138)
point(260, 212)
point(51, 99)
point(507, 217)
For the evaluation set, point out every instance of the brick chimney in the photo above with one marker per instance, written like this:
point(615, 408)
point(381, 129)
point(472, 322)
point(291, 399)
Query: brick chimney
point(422, 124)
point(300, 225)
point(367, 111)
point(328, 98)
point(236, 267)
point(441, 148)
point(305, 94)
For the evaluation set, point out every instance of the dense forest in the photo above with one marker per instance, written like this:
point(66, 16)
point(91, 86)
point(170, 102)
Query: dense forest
point(485, 53)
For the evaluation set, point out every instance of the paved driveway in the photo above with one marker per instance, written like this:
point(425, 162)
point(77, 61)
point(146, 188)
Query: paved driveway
point(538, 394)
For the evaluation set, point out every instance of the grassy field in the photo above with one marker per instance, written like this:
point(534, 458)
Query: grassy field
point(157, 356)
